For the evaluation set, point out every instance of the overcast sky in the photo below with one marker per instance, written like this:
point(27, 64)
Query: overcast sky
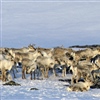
point(50, 24)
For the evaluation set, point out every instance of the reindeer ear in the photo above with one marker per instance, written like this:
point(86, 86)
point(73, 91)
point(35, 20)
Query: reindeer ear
point(40, 53)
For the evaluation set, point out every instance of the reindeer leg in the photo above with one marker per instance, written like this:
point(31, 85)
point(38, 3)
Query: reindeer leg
point(43, 72)
point(31, 75)
point(3, 76)
point(23, 72)
point(54, 72)
point(65, 71)
point(47, 70)
point(72, 80)
point(13, 73)
point(34, 75)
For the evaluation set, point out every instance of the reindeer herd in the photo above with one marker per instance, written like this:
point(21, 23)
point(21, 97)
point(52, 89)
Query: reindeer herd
point(84, 64)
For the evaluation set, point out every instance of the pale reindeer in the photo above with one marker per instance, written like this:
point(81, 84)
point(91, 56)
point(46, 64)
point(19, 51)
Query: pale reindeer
point(80, 86)
point(28, 63)
point(28, 66)
point(4, 55)
point(63, 63)
point(61, 51)
point(8, 65)
point(47, 56)
point(80, 71)
point(87, 53)
point(60, 54)
point(5, 75)
point(20, 50)
point(96, 60)
point(30, 55)
point(45, 63)
point(31, 47)
point(96, 73)
point(48, 51)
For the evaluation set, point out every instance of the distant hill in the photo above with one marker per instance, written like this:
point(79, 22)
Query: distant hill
point(84, 46)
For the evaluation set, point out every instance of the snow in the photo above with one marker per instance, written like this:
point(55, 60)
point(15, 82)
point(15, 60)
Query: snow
point(48, 89)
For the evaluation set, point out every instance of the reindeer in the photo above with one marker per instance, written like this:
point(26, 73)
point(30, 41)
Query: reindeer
point(8, 65)
point(83, 54)
point(80, 86)
point(29, 55)
point(96, 73)
point(4, 55)
point(44, 63)
point(61, 51)
point(5, 75)
point(96, 60)
point(63, 60)
point(28, 62)
point(31, 47)
point(80, 71)
point(28, 66)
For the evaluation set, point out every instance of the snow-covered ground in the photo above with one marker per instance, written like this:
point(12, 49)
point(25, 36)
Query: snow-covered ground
point(48, 89)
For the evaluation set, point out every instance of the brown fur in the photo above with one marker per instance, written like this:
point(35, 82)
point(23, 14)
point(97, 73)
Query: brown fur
point(80, 86)
point(3, 75)
point(25, 64)
point(80, 71)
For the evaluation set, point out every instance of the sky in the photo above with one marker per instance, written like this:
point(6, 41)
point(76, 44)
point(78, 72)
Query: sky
point(49, 23)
